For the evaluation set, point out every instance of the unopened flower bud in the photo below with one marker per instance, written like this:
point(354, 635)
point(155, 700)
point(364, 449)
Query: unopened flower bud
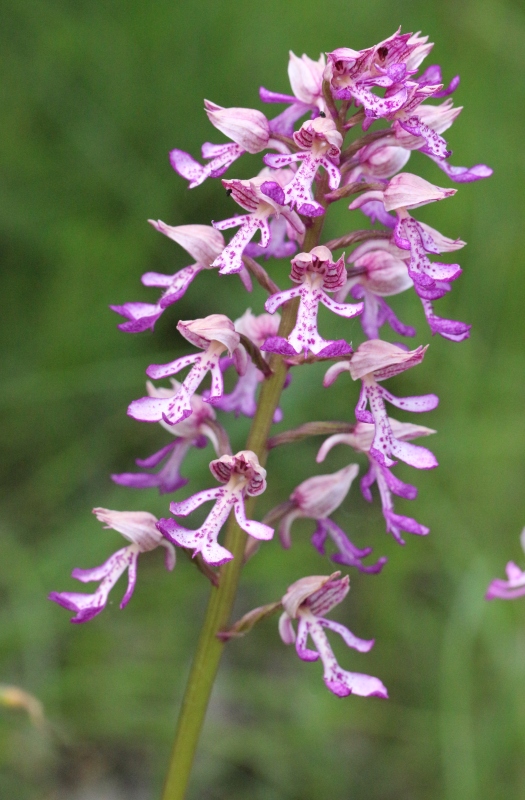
point(247, 127)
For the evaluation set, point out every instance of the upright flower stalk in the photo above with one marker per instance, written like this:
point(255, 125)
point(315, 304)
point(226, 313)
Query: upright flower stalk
point(314, 164)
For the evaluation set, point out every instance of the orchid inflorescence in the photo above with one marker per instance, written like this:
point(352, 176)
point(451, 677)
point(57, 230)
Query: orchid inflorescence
point(311, 165)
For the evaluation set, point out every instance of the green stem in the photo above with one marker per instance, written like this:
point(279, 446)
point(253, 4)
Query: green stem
point(209, 648)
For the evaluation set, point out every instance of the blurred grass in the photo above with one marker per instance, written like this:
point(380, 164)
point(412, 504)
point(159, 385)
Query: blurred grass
point(93, 98)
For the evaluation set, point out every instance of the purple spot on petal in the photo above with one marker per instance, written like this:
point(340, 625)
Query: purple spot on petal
point(272, 190)
point(337, 348)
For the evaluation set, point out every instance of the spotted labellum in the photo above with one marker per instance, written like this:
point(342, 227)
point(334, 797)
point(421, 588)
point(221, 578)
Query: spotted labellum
point(241, 474)
point(307, 601)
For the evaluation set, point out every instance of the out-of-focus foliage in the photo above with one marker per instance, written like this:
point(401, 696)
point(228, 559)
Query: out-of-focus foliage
point(93, 96)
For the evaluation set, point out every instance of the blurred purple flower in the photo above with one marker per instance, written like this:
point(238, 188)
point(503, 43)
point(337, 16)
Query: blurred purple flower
point(317, 498)
point(514, 586)
point(190, 432)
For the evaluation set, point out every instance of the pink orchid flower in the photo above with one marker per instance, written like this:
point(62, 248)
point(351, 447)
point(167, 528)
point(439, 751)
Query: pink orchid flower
point(374, 361)
point(307, 601)
point(139, 527)
point(242, 475)
point(316, 273)
point(213, 334)
point(361, 439)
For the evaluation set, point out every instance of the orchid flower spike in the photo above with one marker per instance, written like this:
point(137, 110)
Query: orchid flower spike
point(514, 586)
point(213, 334)
point(242, 399)
point(320, 144)
point(317, 498)
point(374, 361)
point(316, 273)
point(306, 80)
point(139, 528)
point(203, 243)
point(188, 433)
point(431, 279)
point(250, 133)
point(381, 271)
point(360, 439)
point(308, 600)
point(242, 475)
point(251, 195)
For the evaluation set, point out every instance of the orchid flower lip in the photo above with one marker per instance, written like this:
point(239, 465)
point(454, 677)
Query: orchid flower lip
point(241, 474)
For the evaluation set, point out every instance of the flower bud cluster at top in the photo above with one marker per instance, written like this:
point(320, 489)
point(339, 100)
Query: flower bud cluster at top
point(314, 159)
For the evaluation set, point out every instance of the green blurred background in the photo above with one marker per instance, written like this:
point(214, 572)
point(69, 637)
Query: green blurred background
point(93, 97)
